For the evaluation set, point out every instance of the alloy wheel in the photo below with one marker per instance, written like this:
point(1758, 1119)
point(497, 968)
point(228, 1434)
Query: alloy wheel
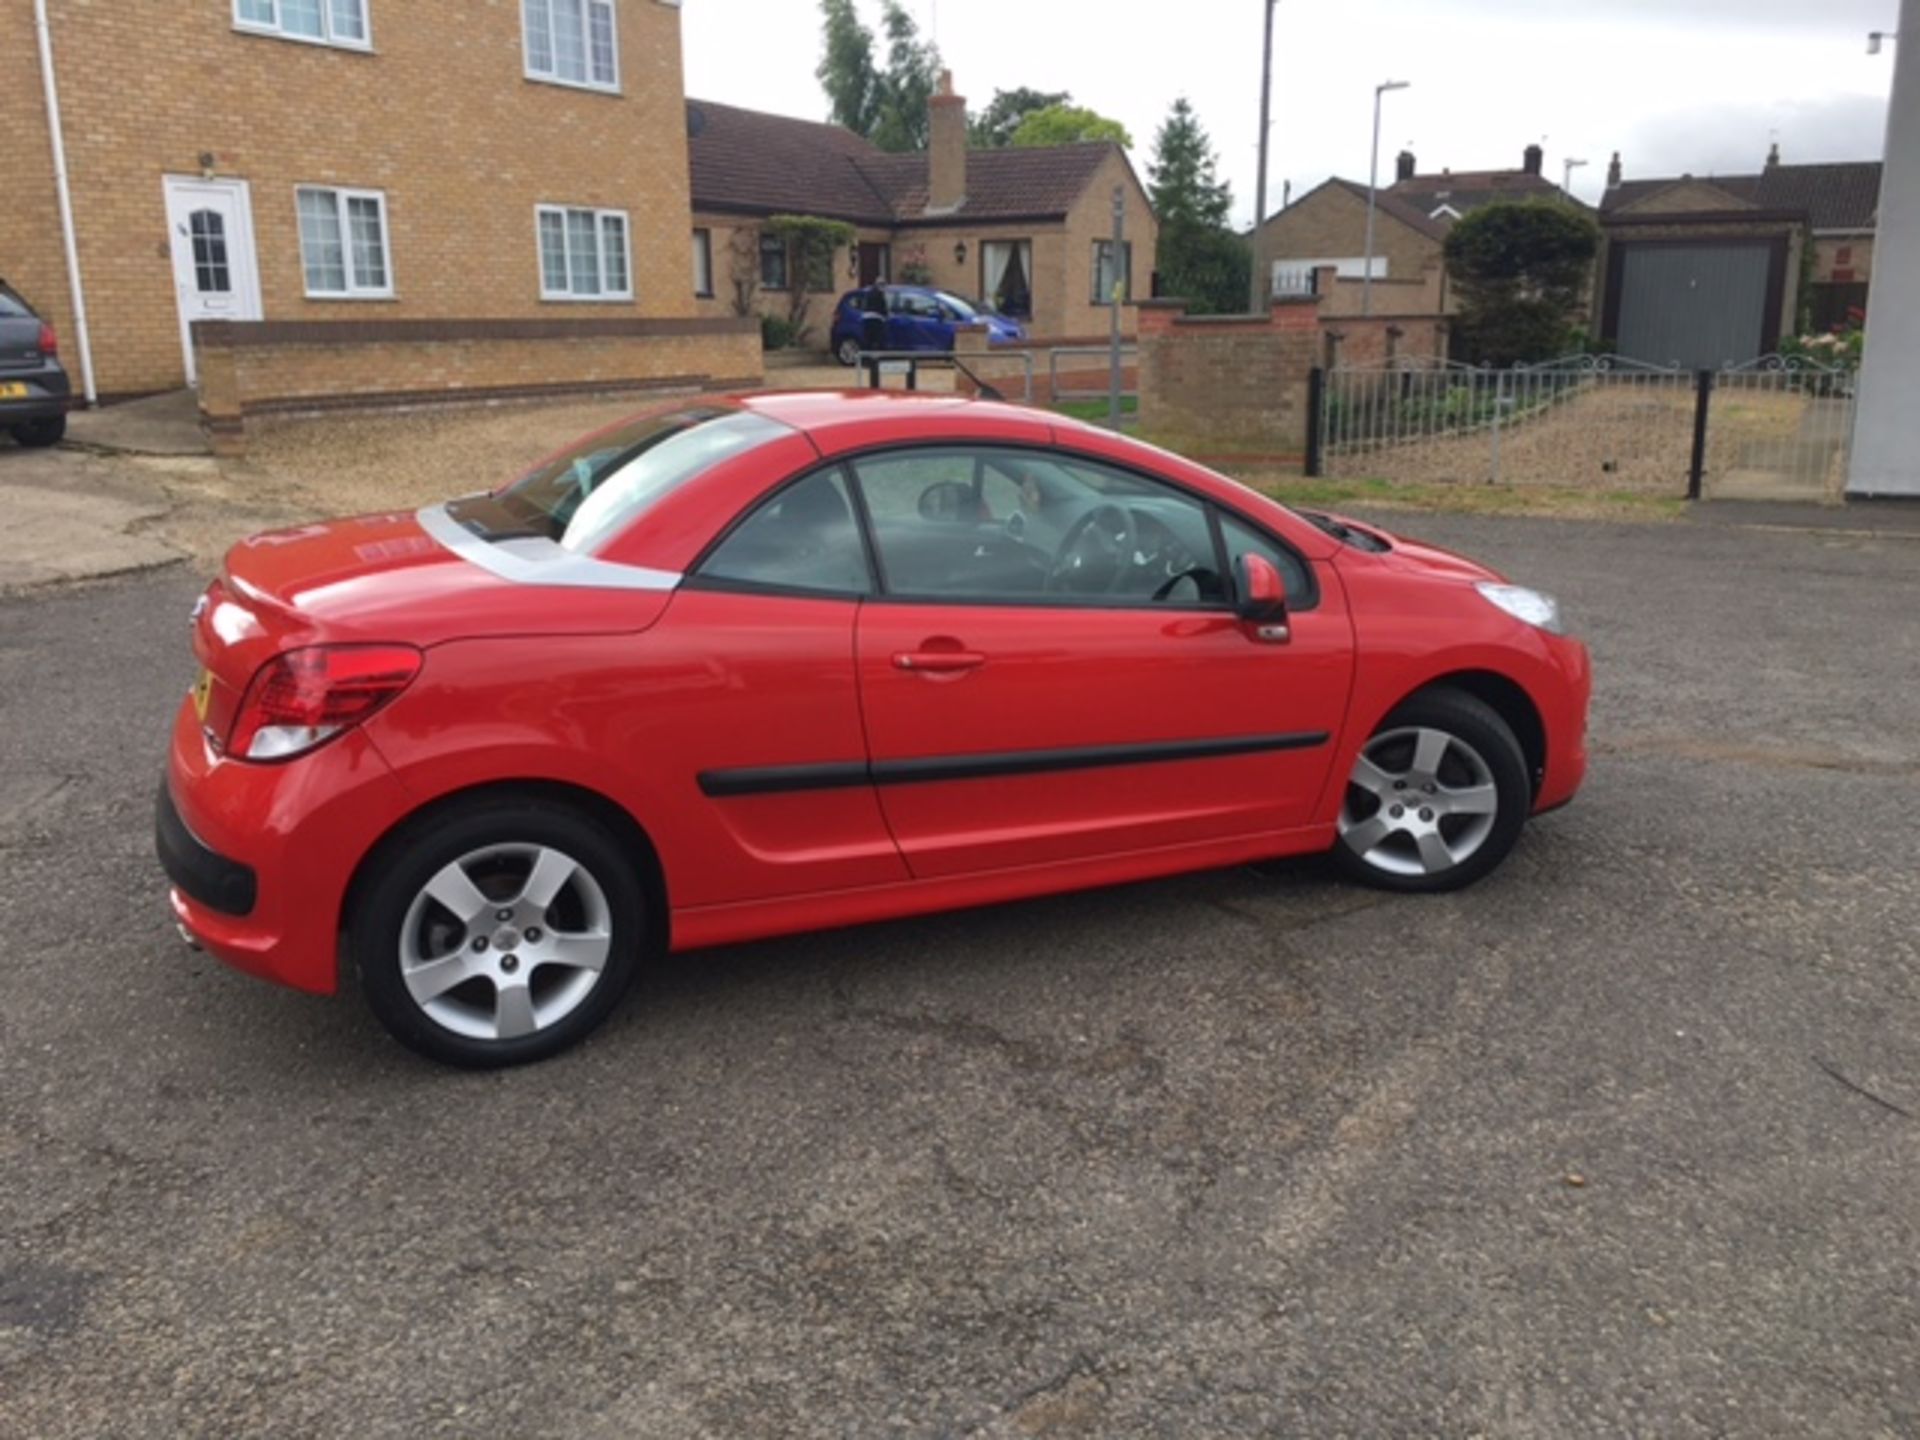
point(1420, 801)
point(505, 941)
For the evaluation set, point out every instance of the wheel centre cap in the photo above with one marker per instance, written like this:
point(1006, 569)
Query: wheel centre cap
point(506, 938)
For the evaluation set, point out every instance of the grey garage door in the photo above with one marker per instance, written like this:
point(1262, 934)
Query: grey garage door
point(1703, 306)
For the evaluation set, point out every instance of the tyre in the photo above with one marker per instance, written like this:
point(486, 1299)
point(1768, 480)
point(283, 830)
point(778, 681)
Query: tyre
point(848, 351)
point(498, 932)
point(1436, 799)
point(38, 434)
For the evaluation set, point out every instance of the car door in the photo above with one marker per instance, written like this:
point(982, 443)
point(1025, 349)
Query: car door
point(755, 660)
point(1052, 669)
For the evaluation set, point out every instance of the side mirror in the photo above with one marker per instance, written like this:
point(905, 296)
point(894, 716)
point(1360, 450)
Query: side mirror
point(1261, 596)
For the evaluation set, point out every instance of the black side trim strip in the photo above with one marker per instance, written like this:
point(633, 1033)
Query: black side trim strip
point(784, 779)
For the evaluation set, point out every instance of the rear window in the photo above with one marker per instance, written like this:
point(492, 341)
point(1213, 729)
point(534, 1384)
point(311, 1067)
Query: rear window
point(584, 496)
point(12, 307)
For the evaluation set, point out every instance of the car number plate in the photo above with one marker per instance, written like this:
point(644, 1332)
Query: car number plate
point(202, 692)
point(13, 391)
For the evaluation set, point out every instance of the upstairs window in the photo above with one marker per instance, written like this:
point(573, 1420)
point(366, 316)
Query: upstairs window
point(323, 22)
point(583, 254)
point(572, 42)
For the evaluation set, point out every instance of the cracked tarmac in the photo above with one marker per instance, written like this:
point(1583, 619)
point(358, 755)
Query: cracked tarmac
point(1247, 1152)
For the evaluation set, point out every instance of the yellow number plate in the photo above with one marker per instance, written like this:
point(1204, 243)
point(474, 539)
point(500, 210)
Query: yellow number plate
point(202, 692)
point(13, 391)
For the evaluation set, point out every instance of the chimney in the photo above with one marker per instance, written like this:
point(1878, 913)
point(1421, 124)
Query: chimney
point(1531, 162)
point(1613, 171)
point(946, 148)
point(1773, 156)
point(1404, 166)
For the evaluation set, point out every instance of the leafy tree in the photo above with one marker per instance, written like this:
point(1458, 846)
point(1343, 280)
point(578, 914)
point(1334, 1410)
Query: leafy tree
point(811, 242)
point(888, 106)
point(1184, 178)
point(1065, 124)
point(1199, 258)
point(1520, 270)
point(993, 127)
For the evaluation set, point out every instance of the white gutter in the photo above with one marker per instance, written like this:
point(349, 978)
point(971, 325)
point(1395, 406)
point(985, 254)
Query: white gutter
point(65, 192)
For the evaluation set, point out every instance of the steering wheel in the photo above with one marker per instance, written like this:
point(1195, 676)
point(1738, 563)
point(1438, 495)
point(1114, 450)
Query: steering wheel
point(1104, 537)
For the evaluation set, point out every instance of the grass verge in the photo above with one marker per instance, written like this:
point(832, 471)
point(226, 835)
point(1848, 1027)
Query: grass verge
point(1562, 502)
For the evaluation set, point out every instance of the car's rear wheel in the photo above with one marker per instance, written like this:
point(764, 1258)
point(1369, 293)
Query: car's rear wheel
point(498, 933)
point(848, 351)
point(38, 434)
point(1437, 797)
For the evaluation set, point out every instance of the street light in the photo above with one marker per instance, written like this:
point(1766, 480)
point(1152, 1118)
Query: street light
point(1373, 185)
point(1567, 167)
point(1876, 37)
point(1257, 304)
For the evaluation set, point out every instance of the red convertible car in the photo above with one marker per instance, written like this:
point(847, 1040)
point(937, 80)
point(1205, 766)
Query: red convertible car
point(752, 666)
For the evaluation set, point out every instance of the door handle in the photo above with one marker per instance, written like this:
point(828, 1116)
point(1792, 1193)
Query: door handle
point(938, 662)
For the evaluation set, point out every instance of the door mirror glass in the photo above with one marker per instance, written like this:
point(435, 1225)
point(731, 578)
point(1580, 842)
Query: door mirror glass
point(1260, 597)
point(949, 502)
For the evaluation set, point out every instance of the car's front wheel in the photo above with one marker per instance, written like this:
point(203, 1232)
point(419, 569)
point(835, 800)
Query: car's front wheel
point(38, 434)
point(498, 932)
point(848, 351)
point(1436, 798)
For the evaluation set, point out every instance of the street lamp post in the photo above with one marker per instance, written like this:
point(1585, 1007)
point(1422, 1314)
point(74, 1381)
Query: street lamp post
point(1567, 167)
point(1258, 302)
point(1373, 186)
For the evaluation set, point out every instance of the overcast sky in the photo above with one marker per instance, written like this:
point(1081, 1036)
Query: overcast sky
point(1677, 86)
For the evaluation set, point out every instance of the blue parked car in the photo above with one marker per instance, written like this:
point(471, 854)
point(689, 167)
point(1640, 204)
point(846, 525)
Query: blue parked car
point(910, 317)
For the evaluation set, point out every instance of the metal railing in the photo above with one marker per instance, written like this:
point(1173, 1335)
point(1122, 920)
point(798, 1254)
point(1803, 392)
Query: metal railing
point(1780, 428)
point(876, 365)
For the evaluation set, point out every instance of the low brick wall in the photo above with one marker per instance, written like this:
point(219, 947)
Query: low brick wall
point(291, 367)
point(1229, 384)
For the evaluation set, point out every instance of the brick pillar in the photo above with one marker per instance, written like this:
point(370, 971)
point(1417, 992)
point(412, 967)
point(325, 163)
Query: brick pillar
point(221, 416)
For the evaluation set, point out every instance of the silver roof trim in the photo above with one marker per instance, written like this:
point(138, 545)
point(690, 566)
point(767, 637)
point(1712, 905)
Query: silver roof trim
point(537, 561)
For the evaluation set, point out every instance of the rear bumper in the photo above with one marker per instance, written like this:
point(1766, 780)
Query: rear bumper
point(260, 856)
point(48, 393)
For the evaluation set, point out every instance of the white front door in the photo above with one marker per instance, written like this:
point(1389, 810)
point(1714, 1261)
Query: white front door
point(215, 277)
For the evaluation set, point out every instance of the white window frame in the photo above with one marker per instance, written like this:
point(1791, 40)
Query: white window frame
point(600, 216)
point(341, 195)
point(329, 39)
point(553, 76)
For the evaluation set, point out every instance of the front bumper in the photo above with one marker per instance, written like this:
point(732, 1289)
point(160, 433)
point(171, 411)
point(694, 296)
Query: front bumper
point(260, 856)
point(1563, 715)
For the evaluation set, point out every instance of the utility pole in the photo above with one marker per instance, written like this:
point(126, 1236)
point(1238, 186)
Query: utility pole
point(1886, 430)
point(1261, 285)
point(1122, 276)
point(1567, 167)
point(1373, 186)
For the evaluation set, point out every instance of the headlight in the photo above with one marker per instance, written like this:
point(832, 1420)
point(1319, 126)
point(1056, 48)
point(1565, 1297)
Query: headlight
point(1524, 604)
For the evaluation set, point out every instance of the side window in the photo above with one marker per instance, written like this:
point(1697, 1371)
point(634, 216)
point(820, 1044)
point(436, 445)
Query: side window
point(1029, 527)
point(1242, 539)
point(804, 538)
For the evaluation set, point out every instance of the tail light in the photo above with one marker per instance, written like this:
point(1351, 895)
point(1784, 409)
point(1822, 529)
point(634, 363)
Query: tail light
point(49, 342)
point(305, 697)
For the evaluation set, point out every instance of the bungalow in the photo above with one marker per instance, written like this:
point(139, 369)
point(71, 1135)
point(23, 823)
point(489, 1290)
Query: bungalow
point(1028, 230)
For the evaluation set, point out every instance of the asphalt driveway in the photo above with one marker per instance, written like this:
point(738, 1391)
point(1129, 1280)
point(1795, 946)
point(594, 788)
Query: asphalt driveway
point(1623, 1141)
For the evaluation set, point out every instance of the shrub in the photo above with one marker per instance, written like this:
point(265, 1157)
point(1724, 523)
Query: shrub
point(776, 332)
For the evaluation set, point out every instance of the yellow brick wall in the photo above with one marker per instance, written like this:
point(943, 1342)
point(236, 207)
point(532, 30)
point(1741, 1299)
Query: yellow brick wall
point(244, 379)
point(1826, 257)
point(30, 258)
point(439, 116)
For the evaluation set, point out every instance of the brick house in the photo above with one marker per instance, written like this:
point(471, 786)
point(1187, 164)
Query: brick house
point(364, 196)
point(1028, 229)
point(1328, 226)
point(1713, 269)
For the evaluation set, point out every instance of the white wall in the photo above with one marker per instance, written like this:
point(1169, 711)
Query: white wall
point(1886, 434)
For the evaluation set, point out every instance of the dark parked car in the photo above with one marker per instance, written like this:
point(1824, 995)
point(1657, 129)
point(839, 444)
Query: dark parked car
point(34, 393)
point(911, 317)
